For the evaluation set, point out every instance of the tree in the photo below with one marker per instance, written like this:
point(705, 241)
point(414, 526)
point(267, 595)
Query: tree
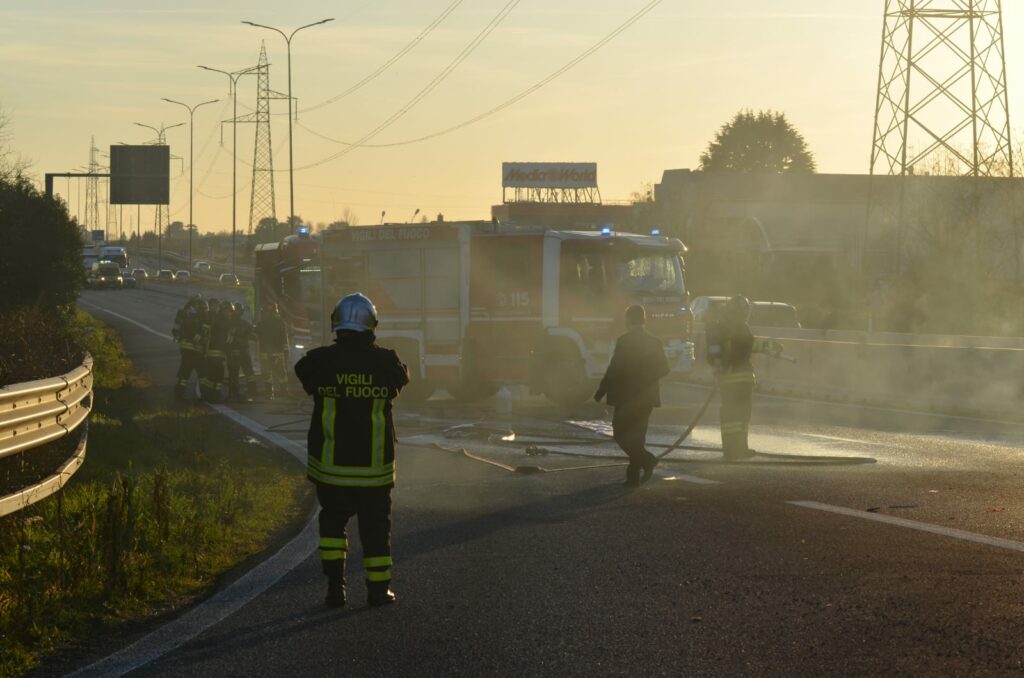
point(758, 142)
point(12, 165)
point(42, 262)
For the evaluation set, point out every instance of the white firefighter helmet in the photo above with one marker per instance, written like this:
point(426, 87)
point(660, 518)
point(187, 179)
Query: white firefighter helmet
point(354, 312)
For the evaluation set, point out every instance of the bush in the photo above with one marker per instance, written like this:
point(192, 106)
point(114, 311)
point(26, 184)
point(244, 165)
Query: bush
point(41, 265)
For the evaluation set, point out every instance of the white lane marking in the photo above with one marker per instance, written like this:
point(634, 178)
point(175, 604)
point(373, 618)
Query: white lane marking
point(915, 525)
point(210, 612)
point(127, 319)
point(224, 604)
point(295, 448)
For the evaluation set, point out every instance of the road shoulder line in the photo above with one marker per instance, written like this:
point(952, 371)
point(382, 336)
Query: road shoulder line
point(952, 532)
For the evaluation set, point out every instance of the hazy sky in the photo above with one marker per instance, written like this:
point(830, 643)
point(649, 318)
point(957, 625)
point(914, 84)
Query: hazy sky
point(648, 101)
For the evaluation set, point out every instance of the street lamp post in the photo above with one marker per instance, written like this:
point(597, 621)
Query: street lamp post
point(160, 139)
point(191, 158)
point(233, 88)
point(291, 155)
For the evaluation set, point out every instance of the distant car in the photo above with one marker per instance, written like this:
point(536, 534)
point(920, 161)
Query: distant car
point(140, 274)
point(127, 280)
point(182, 276)
point(165, 274)
point(229, 279)
point(202, 267)
point(773, 314)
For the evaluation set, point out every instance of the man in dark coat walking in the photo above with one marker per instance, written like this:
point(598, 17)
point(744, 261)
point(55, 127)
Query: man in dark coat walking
point(632, 386)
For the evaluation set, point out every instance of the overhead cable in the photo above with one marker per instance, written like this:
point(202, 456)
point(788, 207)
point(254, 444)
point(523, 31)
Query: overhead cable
point(390, 62)
point(509, 102)
point(427, 89)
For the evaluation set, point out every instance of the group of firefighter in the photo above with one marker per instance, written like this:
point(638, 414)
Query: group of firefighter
point(351, 441)
point(214, 341)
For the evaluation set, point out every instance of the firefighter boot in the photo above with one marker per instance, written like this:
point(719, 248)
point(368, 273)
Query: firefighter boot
point(379, 593)
point(650, 461)
point(335, 571)
point(632, 475)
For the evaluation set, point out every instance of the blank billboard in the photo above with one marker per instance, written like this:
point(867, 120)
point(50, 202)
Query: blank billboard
point(140, 175)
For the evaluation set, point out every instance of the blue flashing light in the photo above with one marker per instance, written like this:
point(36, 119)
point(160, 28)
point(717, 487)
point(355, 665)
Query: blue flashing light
point(606, 230)
point(655, 231)
point(303, 230)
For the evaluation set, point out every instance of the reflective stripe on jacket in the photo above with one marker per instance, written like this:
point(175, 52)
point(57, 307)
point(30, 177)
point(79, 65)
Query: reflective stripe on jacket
point(351, 439)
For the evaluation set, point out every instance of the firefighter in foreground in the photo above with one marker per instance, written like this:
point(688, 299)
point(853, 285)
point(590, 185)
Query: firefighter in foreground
point(632, 386)
point(730, 345)
point(352, 445)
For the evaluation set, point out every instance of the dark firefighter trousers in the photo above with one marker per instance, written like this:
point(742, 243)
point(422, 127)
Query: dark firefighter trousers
point(215, 371)
point(272, 368)
point(372, 506)
point(737, 405)
point(240, 361)
point(191, 361)
point(629, 428)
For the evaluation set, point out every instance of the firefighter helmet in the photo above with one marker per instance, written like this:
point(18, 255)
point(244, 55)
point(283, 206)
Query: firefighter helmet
point(354, 312)
point(738, 307)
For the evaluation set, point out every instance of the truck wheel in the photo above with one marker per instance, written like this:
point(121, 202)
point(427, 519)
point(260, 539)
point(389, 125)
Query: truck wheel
point(565, 377)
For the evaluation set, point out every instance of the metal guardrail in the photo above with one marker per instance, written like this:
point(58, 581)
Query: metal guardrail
point(34, 413)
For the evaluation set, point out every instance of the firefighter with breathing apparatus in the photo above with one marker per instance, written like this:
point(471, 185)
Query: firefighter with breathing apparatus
point(351, 453)
point(730, 345)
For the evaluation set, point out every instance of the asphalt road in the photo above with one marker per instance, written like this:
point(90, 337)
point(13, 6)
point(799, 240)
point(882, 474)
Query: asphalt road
point(911, 565)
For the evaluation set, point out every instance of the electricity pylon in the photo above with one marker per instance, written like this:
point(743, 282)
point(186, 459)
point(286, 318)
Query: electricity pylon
point(941, 108)
point(261, 199)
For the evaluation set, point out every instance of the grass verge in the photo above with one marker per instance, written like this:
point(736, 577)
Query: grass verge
point(168, 499)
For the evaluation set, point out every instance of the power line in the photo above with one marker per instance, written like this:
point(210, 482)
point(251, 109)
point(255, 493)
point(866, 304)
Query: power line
point(394, 59)
point(646, 9)
point(386, 65)
point(419, 96)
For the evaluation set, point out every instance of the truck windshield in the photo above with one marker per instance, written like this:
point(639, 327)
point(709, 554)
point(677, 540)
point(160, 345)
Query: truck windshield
point(655, 273)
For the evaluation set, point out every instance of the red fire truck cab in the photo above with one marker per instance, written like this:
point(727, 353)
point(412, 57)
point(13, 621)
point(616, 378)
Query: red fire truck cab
point(470, 306)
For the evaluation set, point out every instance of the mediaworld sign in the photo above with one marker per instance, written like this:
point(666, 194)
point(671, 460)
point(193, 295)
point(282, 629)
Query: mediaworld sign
point(549, 175)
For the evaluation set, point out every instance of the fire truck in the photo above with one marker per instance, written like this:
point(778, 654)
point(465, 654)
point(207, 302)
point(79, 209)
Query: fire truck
point(287, 273)
point(472, 305)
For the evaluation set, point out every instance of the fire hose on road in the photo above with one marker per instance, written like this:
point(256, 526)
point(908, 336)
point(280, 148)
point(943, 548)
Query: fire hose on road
point(535, 447)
